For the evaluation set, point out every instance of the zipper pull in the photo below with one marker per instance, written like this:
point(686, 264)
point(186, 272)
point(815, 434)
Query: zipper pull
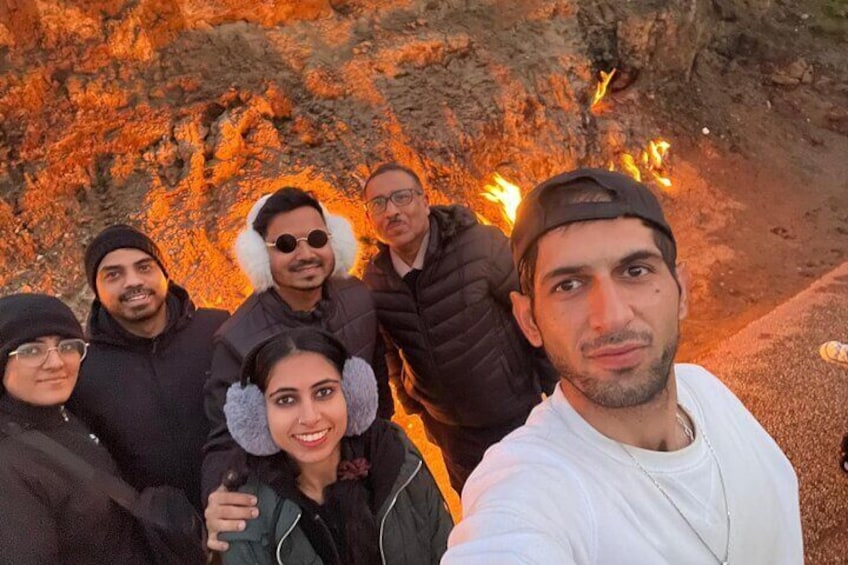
point(64, 413)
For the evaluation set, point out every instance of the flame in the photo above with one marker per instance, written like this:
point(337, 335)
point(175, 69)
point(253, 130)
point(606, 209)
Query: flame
point(482, 219)
point(506, 194)
point(654, 157)
point(601, 88)
point(652, 160)
point(630, 167)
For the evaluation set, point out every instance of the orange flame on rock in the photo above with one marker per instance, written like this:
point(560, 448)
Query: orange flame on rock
point(653, 162)
point(506, 194)
point(630, 166)
point(601, 88)
point(653, 158)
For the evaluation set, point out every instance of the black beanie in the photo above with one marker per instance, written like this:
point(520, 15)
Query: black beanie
point(25, 317)
point(119, 236)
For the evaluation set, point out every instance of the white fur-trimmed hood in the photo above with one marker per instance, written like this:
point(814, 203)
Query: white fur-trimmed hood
point(252, 253)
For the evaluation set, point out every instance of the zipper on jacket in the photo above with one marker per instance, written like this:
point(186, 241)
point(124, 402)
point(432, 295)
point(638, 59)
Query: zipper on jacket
point(64, 413)
point(392, 505)
point(326, 528)
point(285, 535)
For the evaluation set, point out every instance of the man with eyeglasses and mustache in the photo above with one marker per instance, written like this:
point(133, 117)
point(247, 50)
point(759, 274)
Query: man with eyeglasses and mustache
point(297, 257)
point(441, 282)
point(141, 388)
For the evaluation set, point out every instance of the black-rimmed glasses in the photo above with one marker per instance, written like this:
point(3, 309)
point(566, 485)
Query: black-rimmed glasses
point(35, 354)
point(286, 243)
point(402, 197)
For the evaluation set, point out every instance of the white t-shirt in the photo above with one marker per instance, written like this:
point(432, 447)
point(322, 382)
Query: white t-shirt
point(556, 491)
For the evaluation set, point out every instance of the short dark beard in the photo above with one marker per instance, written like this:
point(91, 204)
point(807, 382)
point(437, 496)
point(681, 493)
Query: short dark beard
point(145, 317)
point(612, 394)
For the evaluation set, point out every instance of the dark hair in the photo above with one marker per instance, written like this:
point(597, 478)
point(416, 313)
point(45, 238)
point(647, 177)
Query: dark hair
point(285, 199)
point(294, 341)
point(350, 498)
point(387, 168)
point(594, 193)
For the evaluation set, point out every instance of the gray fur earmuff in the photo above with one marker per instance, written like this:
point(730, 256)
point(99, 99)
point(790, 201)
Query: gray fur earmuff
point(252, 253)
point(359, 385)
point(247, 417)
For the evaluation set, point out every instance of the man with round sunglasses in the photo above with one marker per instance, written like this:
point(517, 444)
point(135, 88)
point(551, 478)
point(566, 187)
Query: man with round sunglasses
point(150, 355)
point(297, 258)
point(50, 515)
point(287, 243)
point(441, 282)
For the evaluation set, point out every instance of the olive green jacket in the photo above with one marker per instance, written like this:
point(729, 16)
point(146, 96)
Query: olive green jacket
point(414, 523)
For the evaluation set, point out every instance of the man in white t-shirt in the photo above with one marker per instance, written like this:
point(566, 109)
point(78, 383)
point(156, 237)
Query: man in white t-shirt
point(632, 459)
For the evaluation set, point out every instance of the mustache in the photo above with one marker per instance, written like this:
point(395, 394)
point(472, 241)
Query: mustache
point(305, 263)
point(134, 291)
point(615, 338)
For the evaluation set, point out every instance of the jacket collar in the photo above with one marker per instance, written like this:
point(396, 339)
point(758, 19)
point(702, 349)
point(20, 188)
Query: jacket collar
point(29, 415)
point(445, 223)
point(280, 311)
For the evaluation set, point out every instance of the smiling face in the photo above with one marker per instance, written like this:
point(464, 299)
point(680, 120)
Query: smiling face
point(307, 413)
point(306, 268)
point(400, 227)
point(606, 309)
point(48, 384)
point(132, 288)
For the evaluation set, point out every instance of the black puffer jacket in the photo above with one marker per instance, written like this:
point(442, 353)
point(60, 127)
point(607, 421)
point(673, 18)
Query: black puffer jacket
point(346, 311)
point(46, 514)
point(144, 397)
point(465, 359)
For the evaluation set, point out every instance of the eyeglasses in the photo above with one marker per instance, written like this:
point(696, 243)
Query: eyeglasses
point(402, 197)
point(286, 243)
point(35, 354)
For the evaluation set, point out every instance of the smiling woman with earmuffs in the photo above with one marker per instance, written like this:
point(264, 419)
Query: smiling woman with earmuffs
point(334, 485)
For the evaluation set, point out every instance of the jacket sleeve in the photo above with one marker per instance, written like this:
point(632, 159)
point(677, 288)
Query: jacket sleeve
point(502, 276)
point(386, 404)
point(219, 448)
point(440, 518)
point(395, 367)
point(28, 534)
point(255, 544)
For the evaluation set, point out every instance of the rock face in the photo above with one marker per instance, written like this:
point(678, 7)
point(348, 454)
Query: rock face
point(176, 115)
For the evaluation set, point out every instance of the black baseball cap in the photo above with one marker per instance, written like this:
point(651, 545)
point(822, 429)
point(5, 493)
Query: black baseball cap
point(548, 206)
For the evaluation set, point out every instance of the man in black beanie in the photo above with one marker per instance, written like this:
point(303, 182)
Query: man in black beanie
point(141, 389)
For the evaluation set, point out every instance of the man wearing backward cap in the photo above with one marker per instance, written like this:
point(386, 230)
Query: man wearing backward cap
point(633, 459)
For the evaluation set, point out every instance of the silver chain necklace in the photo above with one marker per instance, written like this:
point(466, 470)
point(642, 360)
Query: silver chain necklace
point(690, 434)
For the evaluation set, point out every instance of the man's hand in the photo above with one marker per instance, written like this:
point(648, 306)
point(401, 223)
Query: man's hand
point(227, 512)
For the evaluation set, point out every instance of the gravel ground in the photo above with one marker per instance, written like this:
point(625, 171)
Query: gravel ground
point(773, 365)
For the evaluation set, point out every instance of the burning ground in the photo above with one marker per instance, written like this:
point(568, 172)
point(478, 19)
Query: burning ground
point(177, 115)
